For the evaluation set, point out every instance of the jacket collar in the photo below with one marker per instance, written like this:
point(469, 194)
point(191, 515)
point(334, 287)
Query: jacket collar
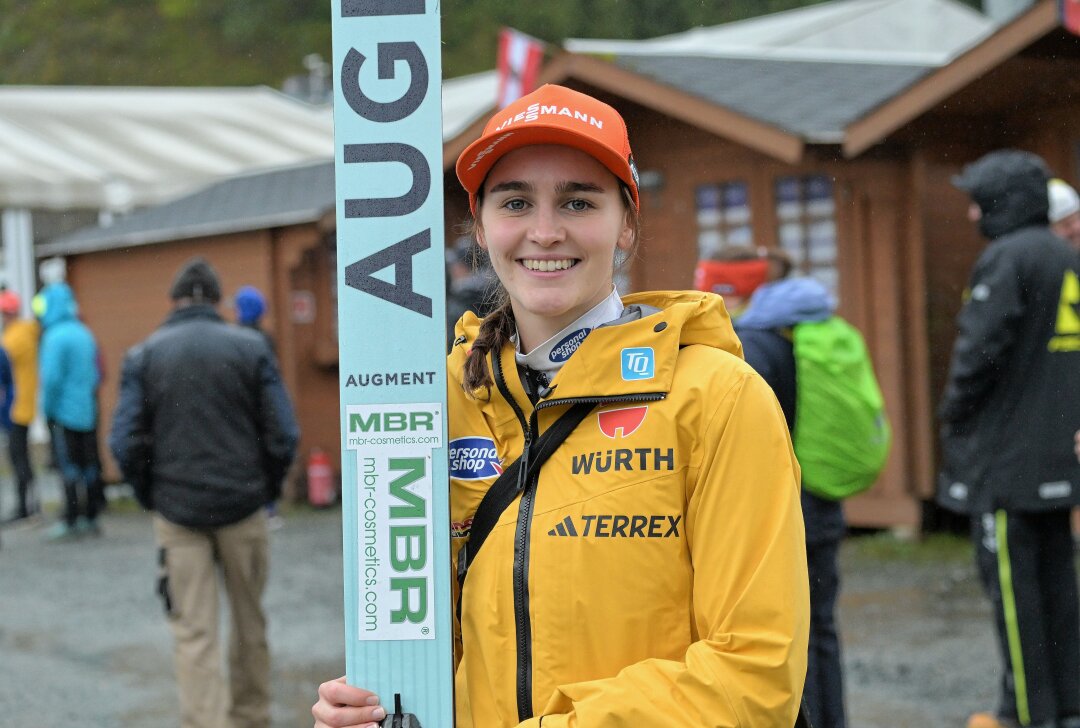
point(634, 355)
point(203, 311)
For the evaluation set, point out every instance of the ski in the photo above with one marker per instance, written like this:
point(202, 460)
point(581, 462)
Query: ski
point(392, 356)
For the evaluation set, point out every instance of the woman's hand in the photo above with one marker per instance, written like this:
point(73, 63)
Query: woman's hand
point(344, 706)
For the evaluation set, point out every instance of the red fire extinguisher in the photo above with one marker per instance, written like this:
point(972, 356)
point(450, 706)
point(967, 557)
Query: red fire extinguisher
point(320, 479)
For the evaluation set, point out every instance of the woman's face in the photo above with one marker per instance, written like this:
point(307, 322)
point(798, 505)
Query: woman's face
point(550, 220)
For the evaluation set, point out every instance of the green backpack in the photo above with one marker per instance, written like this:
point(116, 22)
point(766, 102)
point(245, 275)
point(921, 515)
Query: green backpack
point(842, 433)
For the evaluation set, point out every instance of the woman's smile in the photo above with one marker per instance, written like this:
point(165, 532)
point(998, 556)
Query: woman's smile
point(547, 265)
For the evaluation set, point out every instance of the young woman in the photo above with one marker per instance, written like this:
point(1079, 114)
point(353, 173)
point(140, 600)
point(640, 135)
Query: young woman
point(653, 572)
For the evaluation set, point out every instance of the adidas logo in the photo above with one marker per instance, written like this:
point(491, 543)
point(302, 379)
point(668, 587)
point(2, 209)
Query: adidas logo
point(566, 528)
point(618, 526)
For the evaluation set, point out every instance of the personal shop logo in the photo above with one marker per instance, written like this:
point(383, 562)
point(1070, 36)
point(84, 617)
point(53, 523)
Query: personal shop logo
point(638, 363)
point(562, 351)
point(474, 458)
point(621, 422)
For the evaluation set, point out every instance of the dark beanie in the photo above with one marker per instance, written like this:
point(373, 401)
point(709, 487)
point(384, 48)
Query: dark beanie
point(197, 281)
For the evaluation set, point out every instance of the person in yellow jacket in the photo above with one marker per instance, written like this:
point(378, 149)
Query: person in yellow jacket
point(20, 341)
point(654, 571)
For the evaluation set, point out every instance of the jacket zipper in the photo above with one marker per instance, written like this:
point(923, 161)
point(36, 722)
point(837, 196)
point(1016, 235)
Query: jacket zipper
point(527, 486)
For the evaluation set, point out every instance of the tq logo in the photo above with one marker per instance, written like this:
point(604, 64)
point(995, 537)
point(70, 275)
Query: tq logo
point(638, 363)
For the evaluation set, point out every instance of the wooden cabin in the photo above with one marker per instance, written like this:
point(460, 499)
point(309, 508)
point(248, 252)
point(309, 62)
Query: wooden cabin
point(845, 165)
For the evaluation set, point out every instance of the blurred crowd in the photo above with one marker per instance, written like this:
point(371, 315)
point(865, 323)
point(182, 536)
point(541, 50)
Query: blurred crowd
point(203, 431)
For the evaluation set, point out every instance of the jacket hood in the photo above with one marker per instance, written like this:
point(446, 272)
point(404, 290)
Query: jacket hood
point(1010, 187)
point(58, 303)
point(787, 302)
point(660, 321)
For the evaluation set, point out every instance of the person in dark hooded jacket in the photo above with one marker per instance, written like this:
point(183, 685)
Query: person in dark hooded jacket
point(765, 330)
point(1009, 412)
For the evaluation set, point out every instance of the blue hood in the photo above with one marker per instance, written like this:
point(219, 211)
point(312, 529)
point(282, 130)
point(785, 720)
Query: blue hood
point(250, 305)
point(60, 305)
point(785, 303)
point(67, 361)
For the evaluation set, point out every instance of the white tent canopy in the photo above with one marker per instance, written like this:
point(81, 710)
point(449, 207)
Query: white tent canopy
point(465, 99)
point(116, 148)
point(113, 148)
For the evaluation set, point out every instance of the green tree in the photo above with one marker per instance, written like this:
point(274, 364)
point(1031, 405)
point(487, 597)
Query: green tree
point(245, 42)
point(164, 43)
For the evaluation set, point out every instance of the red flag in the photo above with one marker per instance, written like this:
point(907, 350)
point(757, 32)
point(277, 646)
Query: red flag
point(519, 62)
point(1070, 15)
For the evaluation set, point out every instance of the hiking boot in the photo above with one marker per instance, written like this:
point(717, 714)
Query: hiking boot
point(60, 532)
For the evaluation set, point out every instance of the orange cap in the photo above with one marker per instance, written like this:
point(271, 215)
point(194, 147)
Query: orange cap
point(551, 115)
point(9, 302)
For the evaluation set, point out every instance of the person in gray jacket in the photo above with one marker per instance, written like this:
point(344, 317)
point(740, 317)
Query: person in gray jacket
point(1009, 412)
point(205, 432)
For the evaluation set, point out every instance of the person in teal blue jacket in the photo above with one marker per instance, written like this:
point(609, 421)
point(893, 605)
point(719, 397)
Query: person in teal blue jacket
point(69, 379)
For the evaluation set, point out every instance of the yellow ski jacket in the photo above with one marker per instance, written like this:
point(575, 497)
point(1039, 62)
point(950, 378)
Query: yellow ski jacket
point(20, 341)
point(655, 572)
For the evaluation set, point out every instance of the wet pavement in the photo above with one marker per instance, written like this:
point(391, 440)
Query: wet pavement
point(83, 641)
point(918, 643)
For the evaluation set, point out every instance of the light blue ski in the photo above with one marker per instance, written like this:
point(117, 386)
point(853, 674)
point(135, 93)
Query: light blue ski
point(391, 318)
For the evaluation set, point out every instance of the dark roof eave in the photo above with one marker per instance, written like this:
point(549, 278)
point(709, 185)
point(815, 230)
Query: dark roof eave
point(137, 238)
point(756, 134)
point(941, 83)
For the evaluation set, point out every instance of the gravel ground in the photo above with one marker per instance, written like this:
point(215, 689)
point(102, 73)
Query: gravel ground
point(83, 641)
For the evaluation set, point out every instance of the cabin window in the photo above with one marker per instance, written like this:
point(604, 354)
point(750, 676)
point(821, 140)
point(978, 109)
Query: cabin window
point(806, 216)
point(723, 217)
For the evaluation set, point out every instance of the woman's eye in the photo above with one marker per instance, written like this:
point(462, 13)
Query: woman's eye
point(578, 205)
point(514, 205)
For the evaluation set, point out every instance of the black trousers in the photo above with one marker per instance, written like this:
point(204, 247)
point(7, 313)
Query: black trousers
point(823, 694)
point(77, 459)
point(19, 450)
point(1026, 564)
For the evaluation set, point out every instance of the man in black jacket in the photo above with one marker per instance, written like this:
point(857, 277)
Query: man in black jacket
point(1009, 412)
point(205, 432)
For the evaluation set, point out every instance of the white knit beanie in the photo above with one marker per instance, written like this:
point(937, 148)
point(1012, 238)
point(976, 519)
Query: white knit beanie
point(1063, 200)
